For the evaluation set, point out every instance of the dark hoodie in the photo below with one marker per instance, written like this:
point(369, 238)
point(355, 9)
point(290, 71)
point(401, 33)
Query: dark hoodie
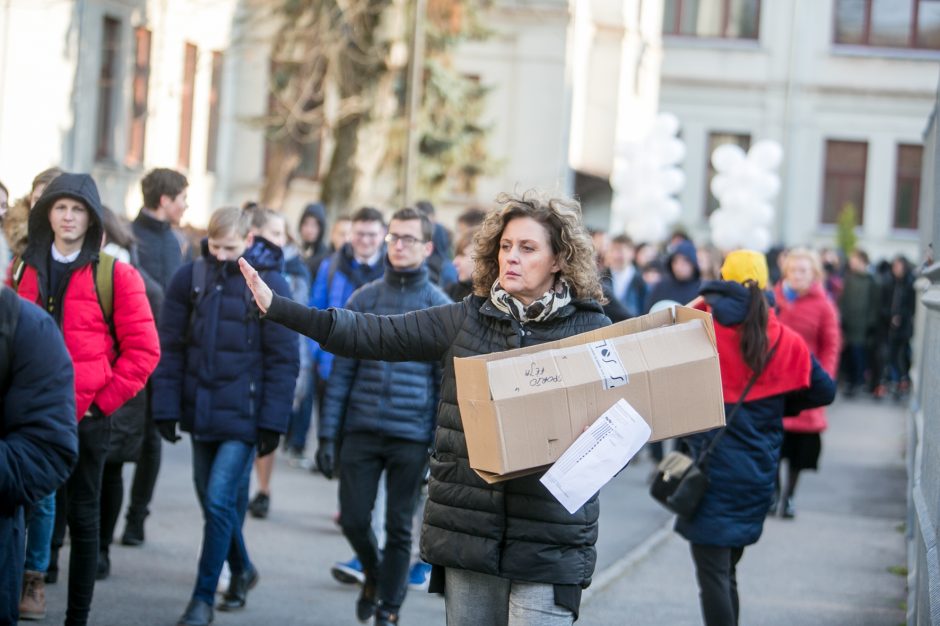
point(670, 288)
point(79, 187)
point(318, 247)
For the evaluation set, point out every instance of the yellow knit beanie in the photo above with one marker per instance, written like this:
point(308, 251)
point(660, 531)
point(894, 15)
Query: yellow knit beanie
point(744, 265)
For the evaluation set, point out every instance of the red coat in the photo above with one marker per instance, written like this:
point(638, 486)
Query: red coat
point(105, 374)
point(815, 318)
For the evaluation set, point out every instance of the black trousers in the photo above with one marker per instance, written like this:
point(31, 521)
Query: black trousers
point(145, 474)
point(112, 497)
point(717, 583)
point(363, 457)
point(83, 508)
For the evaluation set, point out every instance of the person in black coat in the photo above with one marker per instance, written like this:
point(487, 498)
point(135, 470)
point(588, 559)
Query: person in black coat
point(161, 254)
point(682, 279)
point(227, 378)
point(38, 431)
point(491, 545)
point(378, 417)
point(903, 305)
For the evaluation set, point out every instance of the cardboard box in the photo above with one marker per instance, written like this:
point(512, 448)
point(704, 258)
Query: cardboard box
point(521, 409)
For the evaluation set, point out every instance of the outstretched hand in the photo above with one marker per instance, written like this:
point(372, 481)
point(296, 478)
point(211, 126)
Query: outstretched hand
point(259, 289)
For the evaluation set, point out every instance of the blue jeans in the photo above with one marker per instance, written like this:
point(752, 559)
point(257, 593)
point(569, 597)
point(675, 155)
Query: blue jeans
point(39, 534)
point(300, 419)
point(221, 473)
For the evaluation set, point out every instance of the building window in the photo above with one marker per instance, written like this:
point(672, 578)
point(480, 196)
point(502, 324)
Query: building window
point(907, 186)
point(714, 140)
point(140, 89)
point(186, 112)
point(846, 162)
point(888, 23)
point(727, 19)
point(107, 86)
point(215, 93)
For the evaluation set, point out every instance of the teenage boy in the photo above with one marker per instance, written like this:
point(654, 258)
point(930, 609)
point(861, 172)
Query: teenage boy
point(384, 414)
point(227, 378)
point(113, 351)
point(160, 252)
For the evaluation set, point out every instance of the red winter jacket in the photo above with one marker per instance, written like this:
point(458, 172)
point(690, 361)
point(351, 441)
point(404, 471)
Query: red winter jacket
point(814, 317)
point(105, 374)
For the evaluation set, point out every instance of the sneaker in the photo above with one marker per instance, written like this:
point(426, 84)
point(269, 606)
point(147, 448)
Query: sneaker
point(789, 509)
point(385, 617)
point(260, 505)
point(348, 572)
point(419, 575)
point(33, 600)
point(225, 578)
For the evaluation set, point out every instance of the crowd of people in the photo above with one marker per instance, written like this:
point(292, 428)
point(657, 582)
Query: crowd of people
point(253, 335)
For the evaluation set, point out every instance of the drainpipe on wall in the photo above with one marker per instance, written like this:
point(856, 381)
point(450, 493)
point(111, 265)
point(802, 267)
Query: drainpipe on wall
point(75, 156)
point(787, 130)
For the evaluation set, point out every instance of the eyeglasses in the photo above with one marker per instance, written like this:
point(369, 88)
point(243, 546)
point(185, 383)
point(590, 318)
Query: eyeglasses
point(408, 240)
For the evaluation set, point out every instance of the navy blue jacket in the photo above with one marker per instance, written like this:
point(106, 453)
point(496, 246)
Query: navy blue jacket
point(670, 288)
point(227, 373)
point(38, 436)
point(392, 399)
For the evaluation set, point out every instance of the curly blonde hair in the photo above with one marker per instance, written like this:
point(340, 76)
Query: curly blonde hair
point(569, 239)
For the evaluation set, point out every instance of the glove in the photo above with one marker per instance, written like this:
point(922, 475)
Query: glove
point(167, 430)
point(326, 457)
point(267, 441)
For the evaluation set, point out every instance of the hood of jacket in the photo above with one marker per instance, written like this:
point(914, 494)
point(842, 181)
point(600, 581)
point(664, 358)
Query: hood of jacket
point(687, 249)
point(318, 212)
point(76, 186)
point(729, 300)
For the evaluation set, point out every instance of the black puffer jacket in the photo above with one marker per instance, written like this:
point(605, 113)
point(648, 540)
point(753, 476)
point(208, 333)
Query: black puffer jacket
point(515, 529)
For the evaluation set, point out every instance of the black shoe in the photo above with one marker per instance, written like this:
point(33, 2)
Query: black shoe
point(133, 532)
point(260, 505)
point(52, 572)
point(386, 617)
point(104, 565)
point(789, 509)
point(198, 613)
point(365, 605)
point(237, 593)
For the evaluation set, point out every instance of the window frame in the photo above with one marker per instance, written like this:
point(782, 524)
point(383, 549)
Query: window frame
point(140, 96)
point(675, 30)
point(912, 32)
point(215, 100)
point(187, 101)
point(842, 176)
point(916, 180)
point(107, 87)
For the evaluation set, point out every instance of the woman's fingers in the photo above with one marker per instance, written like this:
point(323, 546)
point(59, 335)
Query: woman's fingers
point(259, 289)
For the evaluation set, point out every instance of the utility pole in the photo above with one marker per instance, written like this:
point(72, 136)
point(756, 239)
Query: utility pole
point(415, 90)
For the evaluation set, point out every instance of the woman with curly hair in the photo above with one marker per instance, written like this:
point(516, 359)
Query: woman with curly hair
point(506, 553)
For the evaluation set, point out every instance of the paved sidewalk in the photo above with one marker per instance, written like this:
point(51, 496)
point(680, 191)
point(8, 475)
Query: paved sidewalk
point(828, 566)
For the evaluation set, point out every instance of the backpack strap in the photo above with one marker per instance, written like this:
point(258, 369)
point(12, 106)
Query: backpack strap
point(104, 284)
point(9, 315)
point(197, 292)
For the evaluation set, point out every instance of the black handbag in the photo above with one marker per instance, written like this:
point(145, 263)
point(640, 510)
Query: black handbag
point(680, 481)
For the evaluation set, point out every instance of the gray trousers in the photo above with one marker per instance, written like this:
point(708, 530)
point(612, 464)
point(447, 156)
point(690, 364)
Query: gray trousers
point(475, 599)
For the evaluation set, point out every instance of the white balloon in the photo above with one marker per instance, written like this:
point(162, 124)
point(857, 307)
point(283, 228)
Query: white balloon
point(672, 180)
point(665, 126)
point(766, 154)
point(648, 228)
point(725, 240)
point(719, 185)
point(761, 213)
point(759, 239)
point(765, 185)
point(727, 156)
point(671, 210)
point(669, 152)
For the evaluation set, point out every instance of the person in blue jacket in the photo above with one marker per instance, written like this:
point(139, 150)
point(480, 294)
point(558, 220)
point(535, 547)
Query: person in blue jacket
point(383, 414)
point(742, 467)
point(38, 431)
point(226, 377)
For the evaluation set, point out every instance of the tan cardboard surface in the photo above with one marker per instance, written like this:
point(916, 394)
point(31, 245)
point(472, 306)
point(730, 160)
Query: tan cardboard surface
point(521, 409)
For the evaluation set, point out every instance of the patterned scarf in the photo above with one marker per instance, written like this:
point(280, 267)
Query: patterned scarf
point(540, 310)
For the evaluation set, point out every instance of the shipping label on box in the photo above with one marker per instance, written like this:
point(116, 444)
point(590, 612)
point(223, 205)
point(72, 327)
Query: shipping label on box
point(521, 409)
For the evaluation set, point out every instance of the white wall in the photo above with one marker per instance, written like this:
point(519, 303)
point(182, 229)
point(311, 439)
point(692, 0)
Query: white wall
point(796, 86)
